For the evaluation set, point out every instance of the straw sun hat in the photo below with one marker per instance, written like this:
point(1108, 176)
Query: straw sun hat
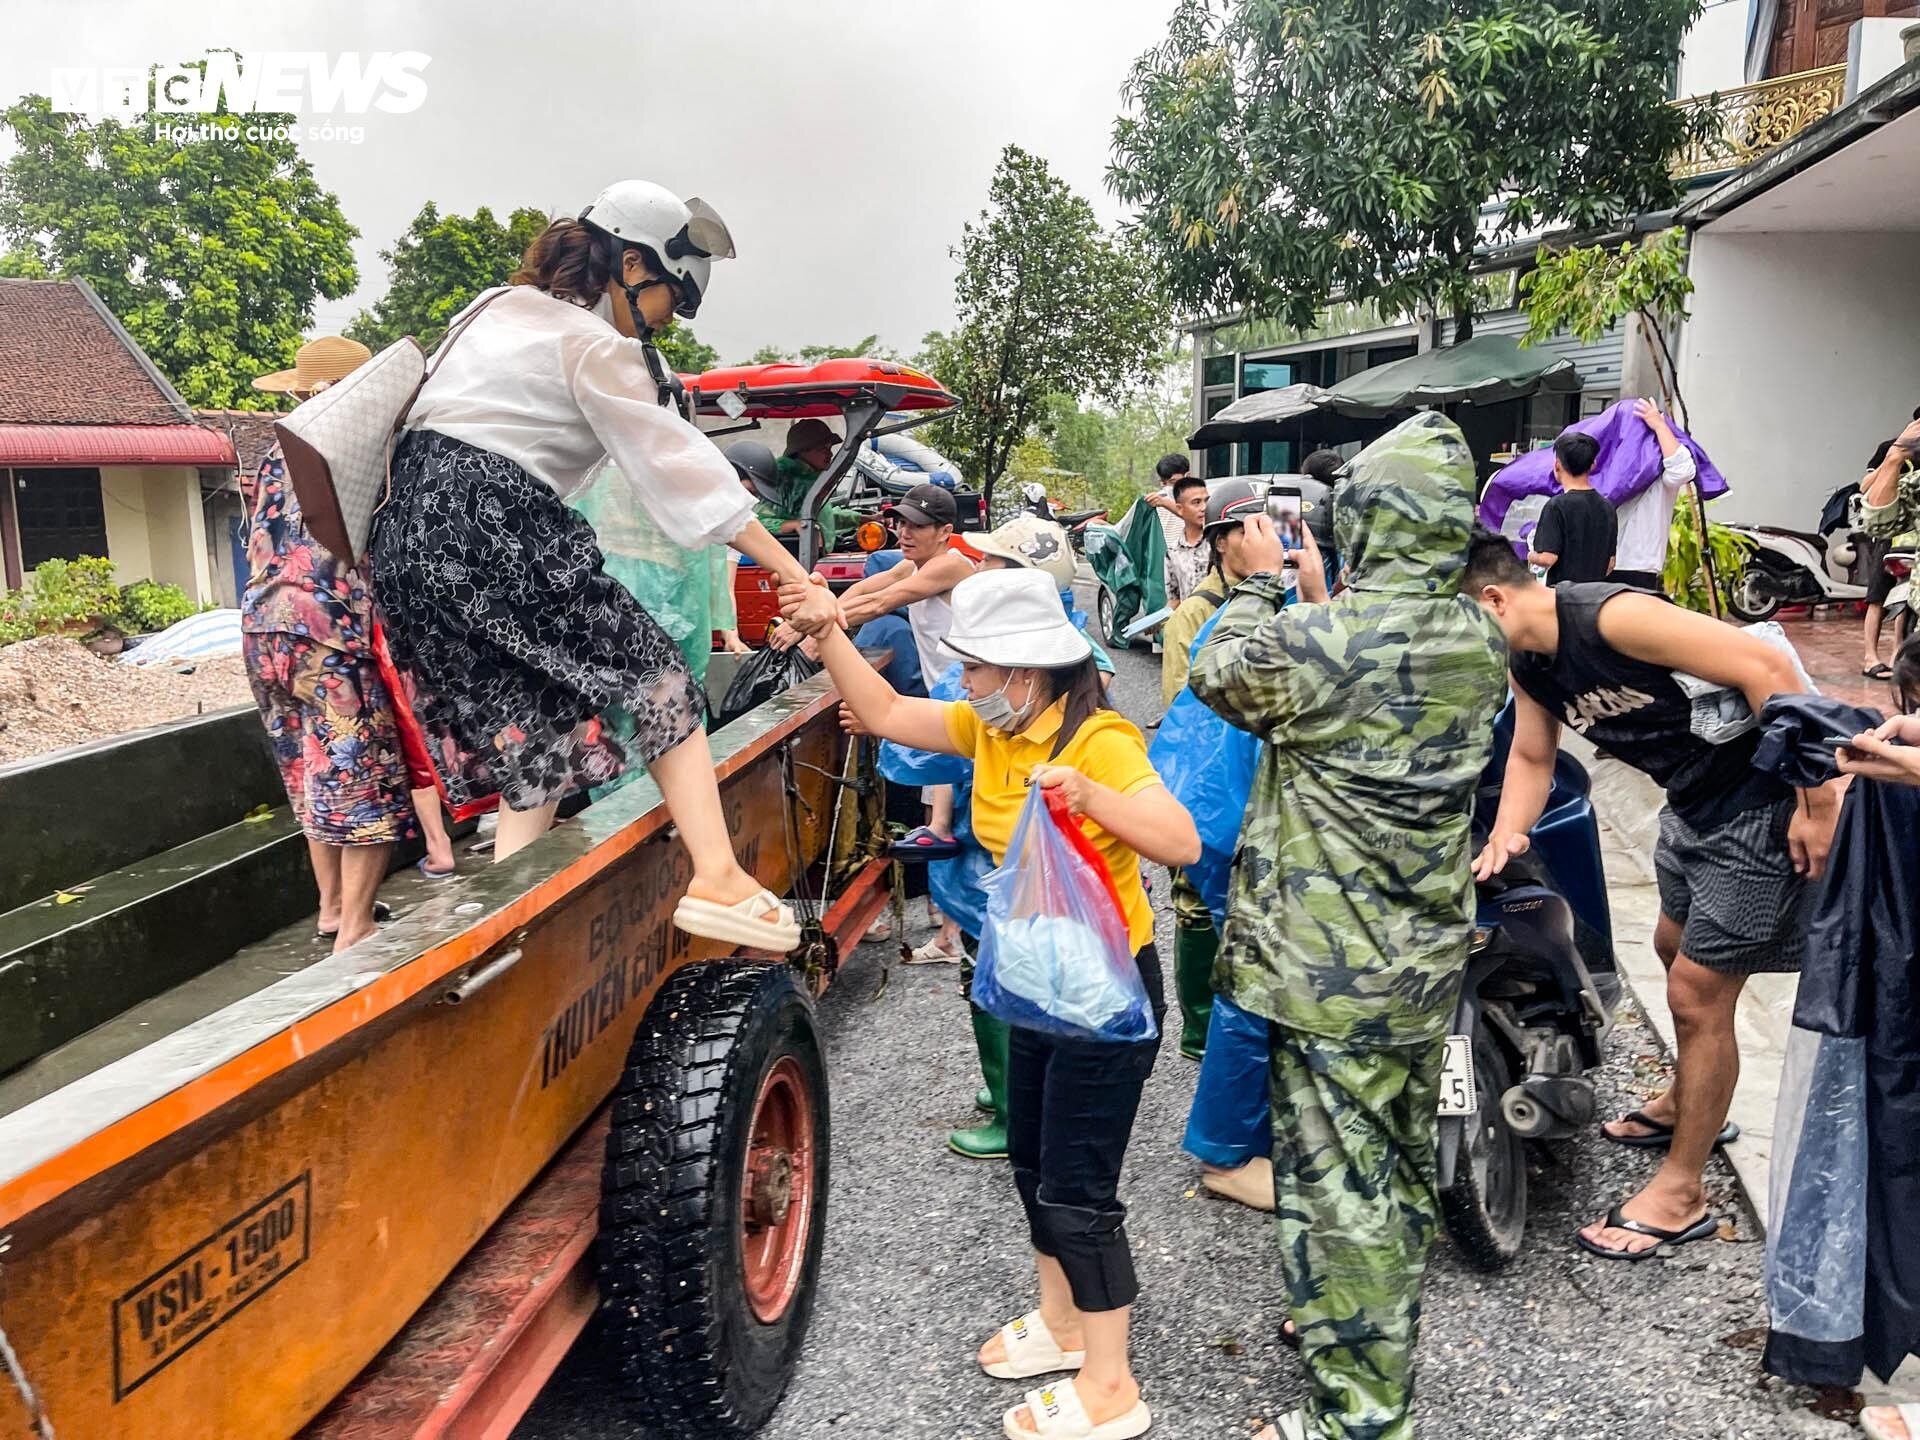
point(316, 365)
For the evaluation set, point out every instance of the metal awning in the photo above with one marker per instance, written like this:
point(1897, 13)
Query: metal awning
point(96, 445)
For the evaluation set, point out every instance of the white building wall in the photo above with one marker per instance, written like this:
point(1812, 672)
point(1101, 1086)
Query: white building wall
point(1802, 353)
point(1713, 56)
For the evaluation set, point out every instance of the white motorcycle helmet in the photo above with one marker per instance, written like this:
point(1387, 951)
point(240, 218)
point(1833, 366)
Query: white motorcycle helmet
point(687, 236)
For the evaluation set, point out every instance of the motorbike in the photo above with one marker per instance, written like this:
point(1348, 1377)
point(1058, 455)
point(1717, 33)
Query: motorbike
point(1900, 600)
point(1534, 1012)
point(1798, 567)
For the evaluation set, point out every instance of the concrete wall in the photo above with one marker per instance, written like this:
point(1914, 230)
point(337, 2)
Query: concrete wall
point(1801, 354)
point(155, 530)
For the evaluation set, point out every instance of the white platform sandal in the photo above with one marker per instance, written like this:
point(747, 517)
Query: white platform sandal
point(741, 923)
point(1032, 1350)
point(1891, 1422)
point(1060, 1415)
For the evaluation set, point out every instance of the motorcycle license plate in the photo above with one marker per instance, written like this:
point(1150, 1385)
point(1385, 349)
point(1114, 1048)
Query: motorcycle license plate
point(1456, 1078)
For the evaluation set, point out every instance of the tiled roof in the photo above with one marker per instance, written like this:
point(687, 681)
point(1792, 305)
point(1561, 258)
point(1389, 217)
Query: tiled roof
point(64, 360)
point(250, 430)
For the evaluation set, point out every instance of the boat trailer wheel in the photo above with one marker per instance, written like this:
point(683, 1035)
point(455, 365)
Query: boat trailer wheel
point(715, 1199)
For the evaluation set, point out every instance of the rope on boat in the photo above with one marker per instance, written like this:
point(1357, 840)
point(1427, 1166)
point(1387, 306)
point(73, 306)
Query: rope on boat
point(35, 1410)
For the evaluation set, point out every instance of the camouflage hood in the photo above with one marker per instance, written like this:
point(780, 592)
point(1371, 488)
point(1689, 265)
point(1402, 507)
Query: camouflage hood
point(1403, 514)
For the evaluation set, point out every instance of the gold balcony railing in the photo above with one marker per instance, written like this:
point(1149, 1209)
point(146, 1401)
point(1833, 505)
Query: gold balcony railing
point(1756, 118)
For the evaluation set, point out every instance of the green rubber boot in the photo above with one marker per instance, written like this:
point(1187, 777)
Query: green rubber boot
point(987, 1141)
point(1194, 948)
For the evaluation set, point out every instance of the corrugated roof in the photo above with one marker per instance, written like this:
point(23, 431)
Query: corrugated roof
point(94, 445)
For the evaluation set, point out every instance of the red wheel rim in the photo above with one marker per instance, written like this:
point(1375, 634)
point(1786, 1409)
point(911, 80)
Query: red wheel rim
point(776, 1193)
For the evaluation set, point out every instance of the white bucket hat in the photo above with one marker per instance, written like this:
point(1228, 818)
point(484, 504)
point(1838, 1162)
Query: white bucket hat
point(1014, 619)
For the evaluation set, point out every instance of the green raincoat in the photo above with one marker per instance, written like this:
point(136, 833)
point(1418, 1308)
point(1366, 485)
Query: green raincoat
point(1350, 910)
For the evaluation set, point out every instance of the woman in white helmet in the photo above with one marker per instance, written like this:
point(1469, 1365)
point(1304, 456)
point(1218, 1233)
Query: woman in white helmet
point(491, 584)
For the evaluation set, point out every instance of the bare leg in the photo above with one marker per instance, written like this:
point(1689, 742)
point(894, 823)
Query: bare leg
point(685, 777)
point(325, 860)
point(433, 829)
point(362, 868)
point(1666, 945)
point(940, 808)
point(1706, 1068)
point(520, 828)
point(1875, 614)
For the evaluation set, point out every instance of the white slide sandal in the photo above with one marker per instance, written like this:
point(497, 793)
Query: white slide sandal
point(1891, 1422)
point(1060, 1415)
point(1032, 1350)
point(742, 923)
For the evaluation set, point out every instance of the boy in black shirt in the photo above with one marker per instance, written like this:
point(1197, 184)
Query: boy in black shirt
point(1737, 847)
point(1577, 531)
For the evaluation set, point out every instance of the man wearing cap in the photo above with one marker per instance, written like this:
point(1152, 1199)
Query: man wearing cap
point(810, 448)
point(919, 585)
point(306, 626)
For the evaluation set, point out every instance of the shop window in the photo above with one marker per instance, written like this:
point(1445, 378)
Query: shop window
point(60, 515)
point(1258, 375)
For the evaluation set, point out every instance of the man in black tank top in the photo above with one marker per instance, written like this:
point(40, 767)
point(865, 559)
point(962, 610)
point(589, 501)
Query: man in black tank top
point(1737, 847)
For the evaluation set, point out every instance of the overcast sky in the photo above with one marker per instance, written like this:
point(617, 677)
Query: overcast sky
point(844, 141)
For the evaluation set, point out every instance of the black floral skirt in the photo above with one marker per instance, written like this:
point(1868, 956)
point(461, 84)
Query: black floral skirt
point(512, 638)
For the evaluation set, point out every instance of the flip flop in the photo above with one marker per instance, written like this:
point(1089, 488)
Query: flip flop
point(1702, 1229)
point(421, 866)
point(1060, 1415)
point(1662, 1138)
point(1874, 1421)
point(382, 912)
point(1032, 1350)
point(932, 954)
point(1882, 671)
point(741, 923)
point(920, 846)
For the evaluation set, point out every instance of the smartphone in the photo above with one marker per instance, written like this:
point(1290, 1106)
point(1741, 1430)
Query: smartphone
point(1286, 512)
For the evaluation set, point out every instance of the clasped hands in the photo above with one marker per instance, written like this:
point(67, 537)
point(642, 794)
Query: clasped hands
point(811, 609)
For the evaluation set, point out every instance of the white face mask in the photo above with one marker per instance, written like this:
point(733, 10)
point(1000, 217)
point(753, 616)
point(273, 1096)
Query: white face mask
point(998, 712)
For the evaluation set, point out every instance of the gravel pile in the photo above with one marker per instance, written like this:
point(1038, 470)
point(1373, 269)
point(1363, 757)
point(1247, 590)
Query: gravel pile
point(54, 692)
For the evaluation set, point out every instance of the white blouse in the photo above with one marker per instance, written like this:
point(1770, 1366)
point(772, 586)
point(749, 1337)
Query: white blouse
point(556, 389)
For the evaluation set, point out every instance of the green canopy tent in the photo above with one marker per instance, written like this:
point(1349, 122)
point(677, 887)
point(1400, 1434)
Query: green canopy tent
point(1485, 370)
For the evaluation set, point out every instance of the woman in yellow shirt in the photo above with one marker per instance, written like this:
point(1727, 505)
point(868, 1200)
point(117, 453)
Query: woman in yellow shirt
point(1036, 713)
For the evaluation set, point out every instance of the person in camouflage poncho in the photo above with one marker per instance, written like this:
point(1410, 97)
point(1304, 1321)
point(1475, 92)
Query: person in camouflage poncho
point(1350, 912)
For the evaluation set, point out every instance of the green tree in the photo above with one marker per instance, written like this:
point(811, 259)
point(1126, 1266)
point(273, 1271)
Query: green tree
point(685, 351)
point(1587, 290)
point(438, 265)
point(1284, 152)
point(1048, 304)
point(211, 252)
point(868, 348)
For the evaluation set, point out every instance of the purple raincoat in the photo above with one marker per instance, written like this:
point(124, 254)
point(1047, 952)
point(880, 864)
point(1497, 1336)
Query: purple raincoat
point(1629, 462)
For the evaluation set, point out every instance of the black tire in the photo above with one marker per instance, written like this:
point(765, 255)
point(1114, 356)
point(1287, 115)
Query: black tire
point(1486, 1205)
point(1103, 614)
point(688, 1347)
point(1753, 596)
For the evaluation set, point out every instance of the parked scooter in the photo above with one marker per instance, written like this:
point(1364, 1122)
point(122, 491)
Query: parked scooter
point(1535, 1009)
point(1796, 567)
point(1900, 600)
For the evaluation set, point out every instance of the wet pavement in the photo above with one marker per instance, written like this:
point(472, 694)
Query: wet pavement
point(925, 1257)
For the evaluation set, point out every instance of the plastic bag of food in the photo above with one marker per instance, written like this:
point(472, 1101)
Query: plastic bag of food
point(1055, 955)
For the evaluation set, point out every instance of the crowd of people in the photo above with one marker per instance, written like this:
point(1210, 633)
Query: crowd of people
point(1315, 982)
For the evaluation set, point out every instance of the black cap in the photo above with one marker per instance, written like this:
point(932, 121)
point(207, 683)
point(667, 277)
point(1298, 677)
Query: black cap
point(928, 505)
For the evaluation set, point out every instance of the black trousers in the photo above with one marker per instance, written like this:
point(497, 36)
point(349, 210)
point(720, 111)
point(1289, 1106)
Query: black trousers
point(1639, 579)
point(1070, 1110)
